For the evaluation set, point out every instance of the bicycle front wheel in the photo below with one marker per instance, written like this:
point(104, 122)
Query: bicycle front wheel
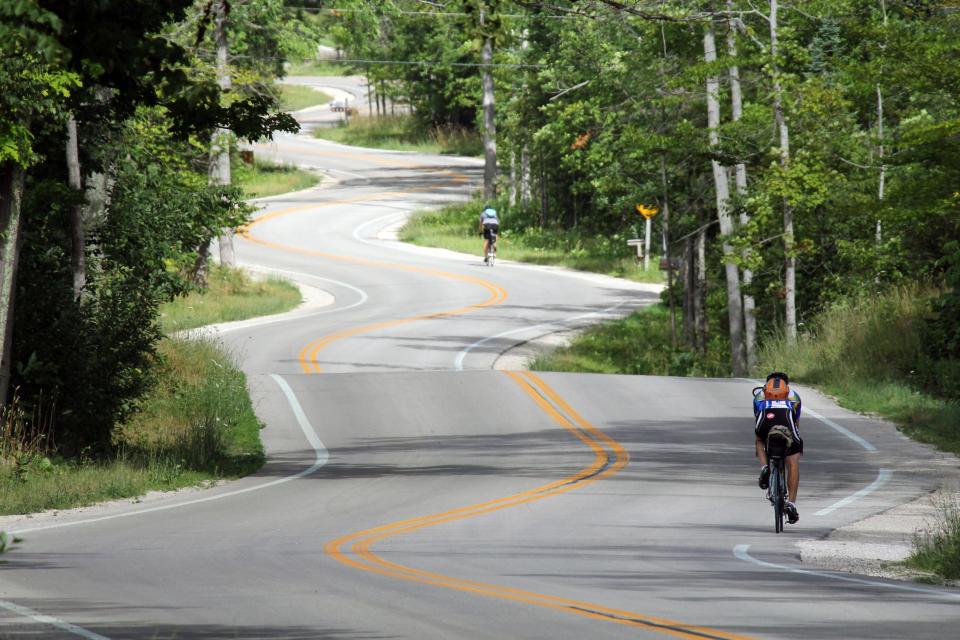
point(776, 487)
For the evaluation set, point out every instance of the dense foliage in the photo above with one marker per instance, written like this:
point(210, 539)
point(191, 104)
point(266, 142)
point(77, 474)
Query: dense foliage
point(606, 107)
point(105, 204)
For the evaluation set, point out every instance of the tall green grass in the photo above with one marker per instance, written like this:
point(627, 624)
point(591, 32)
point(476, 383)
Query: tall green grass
point(402, 133)
point(196, 425)
point(869, 353)
point(231, 295)
point(937, 548)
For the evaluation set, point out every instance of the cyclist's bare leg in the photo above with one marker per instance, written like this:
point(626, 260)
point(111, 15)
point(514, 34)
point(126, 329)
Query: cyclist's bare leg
point(486, 247)
point(793, 476)
point(761, 453)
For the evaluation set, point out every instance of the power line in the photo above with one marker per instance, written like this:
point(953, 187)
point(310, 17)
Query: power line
point(428, 63)
point(449, 14)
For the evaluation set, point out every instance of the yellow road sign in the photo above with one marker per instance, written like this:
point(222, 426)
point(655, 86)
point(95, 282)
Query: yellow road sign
point(647, 212)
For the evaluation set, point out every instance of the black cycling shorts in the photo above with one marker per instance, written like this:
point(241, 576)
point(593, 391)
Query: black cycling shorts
point(489, 229)
point(771, 417)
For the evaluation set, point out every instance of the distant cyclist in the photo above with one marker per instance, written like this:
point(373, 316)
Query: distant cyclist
point(775, 403)
point(489, 225)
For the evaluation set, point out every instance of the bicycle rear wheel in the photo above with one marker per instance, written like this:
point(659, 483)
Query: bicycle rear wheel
point(776, 487)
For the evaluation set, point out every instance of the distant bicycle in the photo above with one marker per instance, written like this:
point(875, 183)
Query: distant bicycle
point(492, 250)
point(778, 443)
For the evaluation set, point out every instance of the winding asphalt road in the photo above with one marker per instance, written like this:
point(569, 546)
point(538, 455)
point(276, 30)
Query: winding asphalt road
point(415, 491)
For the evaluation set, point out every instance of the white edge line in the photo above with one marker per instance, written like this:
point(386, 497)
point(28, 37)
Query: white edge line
point(50, 620)
point(458, 363)
point(882, 477)
point(836, 427)
point(322, 457)
point(740, 551)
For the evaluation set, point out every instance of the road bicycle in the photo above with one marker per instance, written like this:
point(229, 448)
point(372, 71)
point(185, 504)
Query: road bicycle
point(492, 249)
point(778, 443)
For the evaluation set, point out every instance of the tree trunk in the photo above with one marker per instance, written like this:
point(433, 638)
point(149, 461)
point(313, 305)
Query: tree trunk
point(220, 144)
point(883, 167)
point(513, 179)
point(11, 195)
point(77, 236)
point(489, 126)
point(722, 187)
point(790, 263)
point(700, 286)
point(525, 192)
point(740, 180)
point(689, 276)
point(665, 206)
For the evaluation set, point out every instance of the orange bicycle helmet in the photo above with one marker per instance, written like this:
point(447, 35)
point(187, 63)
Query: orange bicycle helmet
point(777, 387)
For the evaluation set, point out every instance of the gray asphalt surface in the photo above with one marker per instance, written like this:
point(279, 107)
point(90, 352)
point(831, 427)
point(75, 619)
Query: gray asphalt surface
point(407, 498)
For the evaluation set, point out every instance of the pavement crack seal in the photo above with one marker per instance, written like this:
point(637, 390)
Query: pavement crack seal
point(355, 549)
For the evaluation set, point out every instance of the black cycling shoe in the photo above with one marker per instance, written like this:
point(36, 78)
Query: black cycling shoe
point(764, 481)
point(793, 516)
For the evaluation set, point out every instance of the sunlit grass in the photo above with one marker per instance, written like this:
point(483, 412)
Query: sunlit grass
point(321, 68)
point(264, 179)
point(456, 228)
point(402, 133)
point(294, 97)
point(230, 295)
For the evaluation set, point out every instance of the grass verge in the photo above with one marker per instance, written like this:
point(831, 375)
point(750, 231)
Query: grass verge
point(402, 133)
point(264, 179)
point(868, 352)
point(320, 68)
point(455, 227)
point(230, 295)
point(637, 344)
point(937, 548)
point(196, 425)
point(294, 97)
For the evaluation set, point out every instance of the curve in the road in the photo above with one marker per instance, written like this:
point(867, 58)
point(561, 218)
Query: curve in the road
point(609, 458)
point(308, 355)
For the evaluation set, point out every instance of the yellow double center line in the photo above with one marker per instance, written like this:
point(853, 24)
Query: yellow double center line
point(609, 458)
point(355, 549)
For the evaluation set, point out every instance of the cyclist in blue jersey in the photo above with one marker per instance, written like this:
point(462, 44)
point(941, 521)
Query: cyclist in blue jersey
point(489, 225)
point(775, 403)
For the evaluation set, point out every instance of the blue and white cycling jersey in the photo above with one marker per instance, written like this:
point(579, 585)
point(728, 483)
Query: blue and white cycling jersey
point(792, 402)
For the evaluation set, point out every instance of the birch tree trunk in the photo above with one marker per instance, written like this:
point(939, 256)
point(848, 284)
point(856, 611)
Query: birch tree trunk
point(525, 190)
point(489, 127)
point(513, 180)
point(700, 284)
point(665, 206)
point(77, 237)
point(883, 167)
point(722, 188)
point(220, 143)
point(790, 261)
point(11, 195)
point(740, 180)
